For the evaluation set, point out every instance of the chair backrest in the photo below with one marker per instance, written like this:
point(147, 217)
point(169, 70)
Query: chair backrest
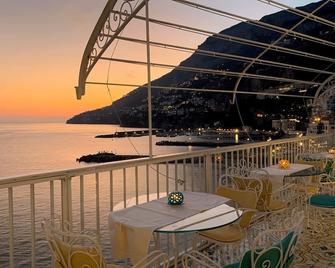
point(243, 168)
point(243, 198)
point(275, 247)
point(259, 183)
point(266, 195)
point(72, 250)
point(329, 167)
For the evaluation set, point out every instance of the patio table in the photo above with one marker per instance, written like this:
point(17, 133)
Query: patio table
point(132, 228)
point(319, 156)
point(277, 175)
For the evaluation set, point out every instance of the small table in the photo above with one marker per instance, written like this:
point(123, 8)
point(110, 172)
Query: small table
point(318, 156)
point(277, 175)
point(132, 228)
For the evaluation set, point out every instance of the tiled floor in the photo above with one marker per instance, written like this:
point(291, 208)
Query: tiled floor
point(316, 251)
point(317, 246)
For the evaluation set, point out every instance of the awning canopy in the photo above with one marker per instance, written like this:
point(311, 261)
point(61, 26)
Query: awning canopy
point(312, 70)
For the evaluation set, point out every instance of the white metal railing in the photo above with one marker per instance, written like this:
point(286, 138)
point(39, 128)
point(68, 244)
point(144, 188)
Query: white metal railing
point(84, 196)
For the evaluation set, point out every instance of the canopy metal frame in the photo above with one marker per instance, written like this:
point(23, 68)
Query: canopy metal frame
point(117, 14)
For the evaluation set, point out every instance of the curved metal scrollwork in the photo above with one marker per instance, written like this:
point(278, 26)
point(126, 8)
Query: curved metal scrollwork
point(115, 19)
point(324, 93)
point(115, 16)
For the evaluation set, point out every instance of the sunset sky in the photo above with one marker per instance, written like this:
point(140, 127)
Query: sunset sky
point(42, 44)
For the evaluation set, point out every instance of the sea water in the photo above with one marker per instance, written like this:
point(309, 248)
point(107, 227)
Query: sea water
point(28, 148)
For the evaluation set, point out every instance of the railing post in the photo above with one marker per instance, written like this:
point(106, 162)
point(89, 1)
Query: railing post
point(209, 173)
point(66, 199)
point(270, 155)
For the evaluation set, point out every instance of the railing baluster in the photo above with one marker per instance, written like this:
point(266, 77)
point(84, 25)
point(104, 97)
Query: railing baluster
point(82, 203)
point(136, 184)
point(184, 174)
point(232, 159)
point(289, 145)
point(124, 188)
point(225, 164)
point(167, 178)
point(209, 172)
point(248, 157)
point(52, 202)
point(192, 174)
point(97, 203)
point(11, 227)
point(215, 170)
point(294, 152)
point(252, 156)
point(66, 205)
point(111, 190)
point(157, 170)
point(200, 168)
point(147, 182)
point(32, 223)
point(176, 175)
point(220, 168)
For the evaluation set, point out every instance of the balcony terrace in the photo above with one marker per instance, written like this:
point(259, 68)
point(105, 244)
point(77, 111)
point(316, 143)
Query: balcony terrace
point(86, 196)
point(274, 58)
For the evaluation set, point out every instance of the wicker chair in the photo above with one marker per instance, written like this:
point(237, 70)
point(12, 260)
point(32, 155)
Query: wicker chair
point(272, 248)
point(73, 250)
point(229, 240)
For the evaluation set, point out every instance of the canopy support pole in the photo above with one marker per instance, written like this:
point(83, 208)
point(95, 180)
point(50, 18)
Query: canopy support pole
point(149, 75)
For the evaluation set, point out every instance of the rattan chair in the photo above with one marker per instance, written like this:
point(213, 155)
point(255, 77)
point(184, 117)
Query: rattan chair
point(272, 248)
point(229, 240)
point(76, 250)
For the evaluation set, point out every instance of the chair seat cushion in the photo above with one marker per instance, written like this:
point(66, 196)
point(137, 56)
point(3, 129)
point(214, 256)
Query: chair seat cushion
point(79, 256)
point(229, 233)
point(233, 265)
point(309, 189)
point(323, 200)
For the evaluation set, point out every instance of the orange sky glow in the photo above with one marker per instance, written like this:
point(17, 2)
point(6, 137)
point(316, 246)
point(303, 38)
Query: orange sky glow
point(43, 46)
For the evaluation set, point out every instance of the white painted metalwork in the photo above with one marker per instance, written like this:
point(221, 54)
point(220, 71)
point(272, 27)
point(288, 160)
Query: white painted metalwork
point(266, 237)
point(211, 71)
point(11, 227)
point(237, 40)
point(108, 23)
point(286, 32)
point(119, 13)
point(71, 249)
point(33, 223)
point(325, 92)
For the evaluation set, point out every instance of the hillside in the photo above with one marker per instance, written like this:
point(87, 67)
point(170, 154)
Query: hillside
point(199, 109)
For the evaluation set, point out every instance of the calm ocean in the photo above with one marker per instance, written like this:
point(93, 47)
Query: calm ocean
point(34, 148)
